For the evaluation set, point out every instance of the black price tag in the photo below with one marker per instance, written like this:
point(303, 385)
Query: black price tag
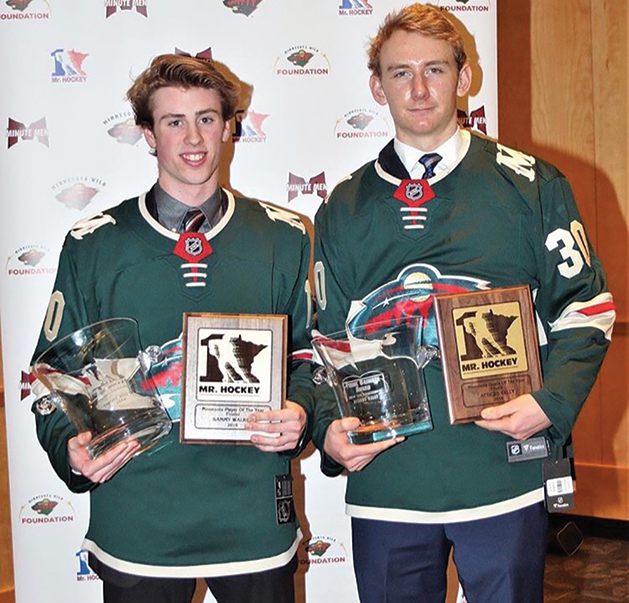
point(284, 506)
point(558, 486)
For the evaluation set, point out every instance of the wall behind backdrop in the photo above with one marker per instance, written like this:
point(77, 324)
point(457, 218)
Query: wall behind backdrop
point(71, 150)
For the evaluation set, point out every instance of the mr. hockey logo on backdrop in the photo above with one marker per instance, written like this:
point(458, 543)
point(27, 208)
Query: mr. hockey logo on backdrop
point(68, 66)
point(17, 10)
point(242, 7)
point(354, 8)
point(77, 192)
point(122, 127)
point(299, 186)
point(83, 571)
point(139, 6)
point(476, 119)
point(17, 131)
point(248, 127)
point(361, 123)
point(30, 260)
point(302, 61)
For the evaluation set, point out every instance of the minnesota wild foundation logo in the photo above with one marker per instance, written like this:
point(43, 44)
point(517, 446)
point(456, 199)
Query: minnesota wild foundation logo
point(322, 550)
point(46, 509)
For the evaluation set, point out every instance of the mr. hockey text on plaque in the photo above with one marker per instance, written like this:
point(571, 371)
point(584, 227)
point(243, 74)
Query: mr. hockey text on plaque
point(233, 366)
point(489, 349)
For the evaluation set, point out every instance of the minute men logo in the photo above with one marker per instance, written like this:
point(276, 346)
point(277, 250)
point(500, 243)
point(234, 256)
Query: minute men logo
point(242, 7)
point(78, 191)
point(490, 340)
point(248, 127)
point(17, 131)
point(40, 10)
point(476, 119)
point(361, 123)
point(206, 54)
point(298, 186)
point(123, 128)
point(68, 66)
point(302, 60)
point(140, 6)
point(26, 381)
point(355, 7)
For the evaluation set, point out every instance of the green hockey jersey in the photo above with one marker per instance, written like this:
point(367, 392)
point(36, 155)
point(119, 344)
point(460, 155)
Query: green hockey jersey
point(386, 245)
point(183, 510)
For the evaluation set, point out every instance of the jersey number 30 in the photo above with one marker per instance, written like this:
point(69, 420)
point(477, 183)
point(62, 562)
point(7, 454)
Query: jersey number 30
point(573, 247)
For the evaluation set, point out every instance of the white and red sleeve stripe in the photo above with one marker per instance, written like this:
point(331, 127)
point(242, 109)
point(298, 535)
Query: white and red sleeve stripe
point(599, 312)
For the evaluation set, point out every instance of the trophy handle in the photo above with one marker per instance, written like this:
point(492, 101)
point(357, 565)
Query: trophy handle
point(425, 354)
point(152, 355)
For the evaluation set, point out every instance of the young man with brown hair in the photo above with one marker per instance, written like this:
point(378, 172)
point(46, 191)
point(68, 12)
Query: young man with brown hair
point(162, 519)
point(444, 211)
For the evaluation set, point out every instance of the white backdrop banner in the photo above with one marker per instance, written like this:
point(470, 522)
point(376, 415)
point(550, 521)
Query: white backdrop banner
point(71, 149)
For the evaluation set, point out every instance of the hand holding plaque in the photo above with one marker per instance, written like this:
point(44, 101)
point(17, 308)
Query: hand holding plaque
point(489, 349)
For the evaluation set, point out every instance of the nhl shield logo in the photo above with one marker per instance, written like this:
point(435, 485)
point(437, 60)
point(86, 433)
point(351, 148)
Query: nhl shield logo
point(414, 191)
point(193, 246)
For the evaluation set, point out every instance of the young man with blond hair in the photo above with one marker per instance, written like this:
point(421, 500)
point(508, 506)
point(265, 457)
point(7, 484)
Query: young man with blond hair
point(162, 519)
point(442, 211)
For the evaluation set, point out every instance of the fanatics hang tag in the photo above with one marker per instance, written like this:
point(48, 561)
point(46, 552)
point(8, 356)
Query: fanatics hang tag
point(531, 449)
point(284, 506)
point(414, 193)
point(558, 486)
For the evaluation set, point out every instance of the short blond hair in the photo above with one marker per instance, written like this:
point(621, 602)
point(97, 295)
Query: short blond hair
point(417, 18)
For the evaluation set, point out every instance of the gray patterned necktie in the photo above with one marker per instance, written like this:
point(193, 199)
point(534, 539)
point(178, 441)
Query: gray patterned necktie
point(193, 221)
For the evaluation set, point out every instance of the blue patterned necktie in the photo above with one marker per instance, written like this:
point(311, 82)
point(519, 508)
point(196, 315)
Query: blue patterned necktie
point(430, 161)
point(193, 221)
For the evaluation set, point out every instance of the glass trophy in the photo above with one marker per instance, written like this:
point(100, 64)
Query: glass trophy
point(98, 376)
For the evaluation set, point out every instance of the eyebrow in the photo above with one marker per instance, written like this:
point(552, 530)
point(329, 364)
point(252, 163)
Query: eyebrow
point(181, 115)
point(426, 64)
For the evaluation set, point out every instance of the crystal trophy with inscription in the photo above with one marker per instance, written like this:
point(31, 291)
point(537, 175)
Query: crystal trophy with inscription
point(98, 376)
point(376, 374)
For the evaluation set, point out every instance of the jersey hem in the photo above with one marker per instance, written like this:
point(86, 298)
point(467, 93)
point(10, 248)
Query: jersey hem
point(211, 570)
point(483, 512)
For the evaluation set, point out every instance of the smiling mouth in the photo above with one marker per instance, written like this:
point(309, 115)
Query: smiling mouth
point(193, 157)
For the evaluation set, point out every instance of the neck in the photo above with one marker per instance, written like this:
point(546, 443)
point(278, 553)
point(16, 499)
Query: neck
point(427, 144)
point(188, 194)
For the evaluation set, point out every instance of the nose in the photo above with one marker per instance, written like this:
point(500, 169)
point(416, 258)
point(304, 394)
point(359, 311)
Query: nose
point(193, 134)
point(419, 88)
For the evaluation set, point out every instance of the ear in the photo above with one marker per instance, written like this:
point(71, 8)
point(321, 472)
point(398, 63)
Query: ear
point(149, 137)
point(226, 132)
point(465, 80)
point(377, 91)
